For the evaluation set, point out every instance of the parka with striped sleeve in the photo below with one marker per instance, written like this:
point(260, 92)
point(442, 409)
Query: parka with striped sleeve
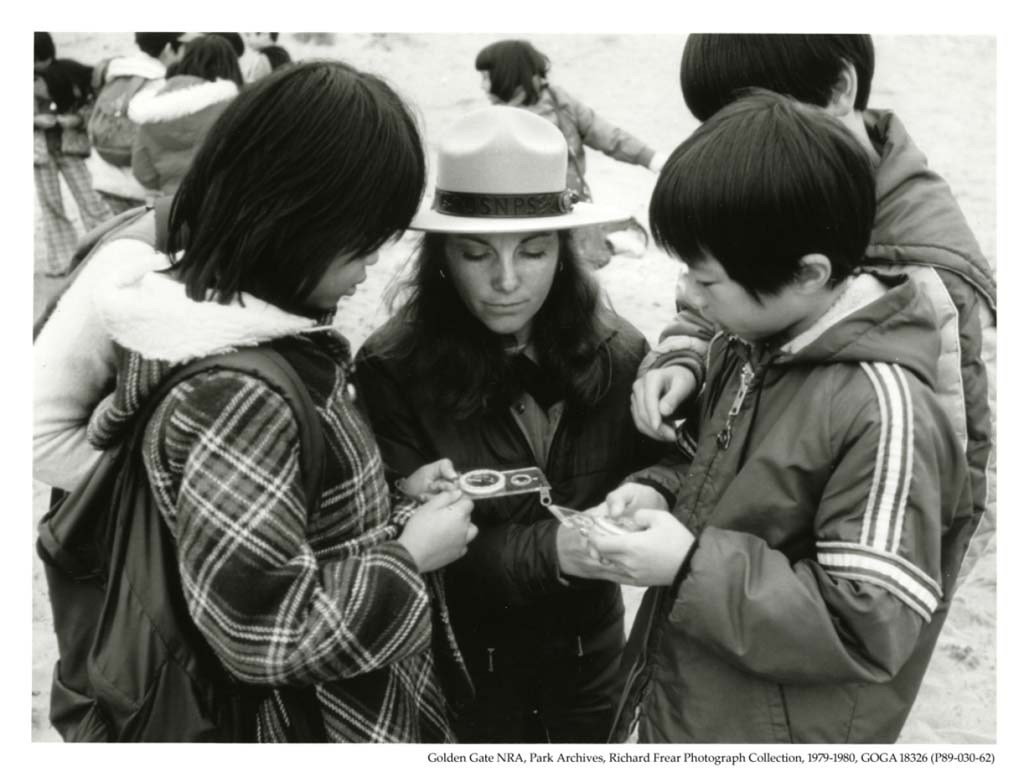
point(828, 494)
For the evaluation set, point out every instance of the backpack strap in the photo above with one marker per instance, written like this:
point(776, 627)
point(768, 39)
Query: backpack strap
point(302, 708)
point(84, 250)
point(99, 74)
point(561, 119)
point(269, 366)
point(162, 213)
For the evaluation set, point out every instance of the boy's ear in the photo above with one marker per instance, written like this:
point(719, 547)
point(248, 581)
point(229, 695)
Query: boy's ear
point(814, 273)
point(844, 92)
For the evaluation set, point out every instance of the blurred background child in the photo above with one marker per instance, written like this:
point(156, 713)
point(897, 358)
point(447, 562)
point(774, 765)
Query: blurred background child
point(174, 119)
point(63, 96)
point(514, 73)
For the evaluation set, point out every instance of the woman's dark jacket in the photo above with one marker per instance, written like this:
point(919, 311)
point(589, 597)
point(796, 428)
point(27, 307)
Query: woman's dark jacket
point(511, 610)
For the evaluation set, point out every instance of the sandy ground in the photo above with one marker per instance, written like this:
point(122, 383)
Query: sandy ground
point(942, 87)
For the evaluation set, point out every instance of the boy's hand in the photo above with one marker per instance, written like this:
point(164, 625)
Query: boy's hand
point(656, 395)
point(650, 556)
point(430, 479)
point(44, 120)
point(628, 498)
point(68, 120)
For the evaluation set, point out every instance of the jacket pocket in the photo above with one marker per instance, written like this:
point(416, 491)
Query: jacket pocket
point(820, 714)
point(75, 715)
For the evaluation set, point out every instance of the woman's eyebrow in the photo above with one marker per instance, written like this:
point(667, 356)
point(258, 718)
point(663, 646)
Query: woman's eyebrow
point(535, 237)
point(472, 239)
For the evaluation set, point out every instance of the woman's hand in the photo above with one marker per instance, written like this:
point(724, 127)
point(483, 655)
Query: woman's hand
point(44, 120)
point(430, 479)
point(68, 120)
point(650, 556)
point(439, 530)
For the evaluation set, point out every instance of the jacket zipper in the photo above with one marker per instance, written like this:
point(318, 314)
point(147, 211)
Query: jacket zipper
point(638, 668)
point(724, 437)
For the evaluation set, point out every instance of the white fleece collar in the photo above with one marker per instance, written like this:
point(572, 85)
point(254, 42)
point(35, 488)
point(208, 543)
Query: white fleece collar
point(165, 104)
point(149, 313)
point(860, 291)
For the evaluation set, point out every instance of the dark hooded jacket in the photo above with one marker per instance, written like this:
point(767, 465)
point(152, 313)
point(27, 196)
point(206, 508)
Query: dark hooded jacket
point(827, 513)
point(920, 230)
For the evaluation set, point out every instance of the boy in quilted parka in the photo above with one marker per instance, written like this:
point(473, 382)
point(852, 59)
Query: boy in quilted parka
point(919, 230)
point(800, 582)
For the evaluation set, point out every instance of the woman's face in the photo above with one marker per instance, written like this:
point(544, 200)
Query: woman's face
point(503, 279)
point(340, 280)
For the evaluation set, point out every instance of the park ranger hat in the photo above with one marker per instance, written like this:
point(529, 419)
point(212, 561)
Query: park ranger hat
point(503, 169)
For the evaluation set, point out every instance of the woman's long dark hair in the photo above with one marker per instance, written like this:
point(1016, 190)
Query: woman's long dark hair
point(312, 162)
point(462, 367)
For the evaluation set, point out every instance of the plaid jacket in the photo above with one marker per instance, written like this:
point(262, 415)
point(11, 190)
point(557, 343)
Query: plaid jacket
point(284, 598)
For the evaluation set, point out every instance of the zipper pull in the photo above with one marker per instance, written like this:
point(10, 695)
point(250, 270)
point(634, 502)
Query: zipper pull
point(579, 645)
point(746, 378)
point(490, 660)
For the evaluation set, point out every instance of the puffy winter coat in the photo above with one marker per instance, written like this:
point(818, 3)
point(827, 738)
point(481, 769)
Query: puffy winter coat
point(512, 613)
point(829, 512)
point(173, 120)
point(331, 599)
point(920, 231)
point(106, 177)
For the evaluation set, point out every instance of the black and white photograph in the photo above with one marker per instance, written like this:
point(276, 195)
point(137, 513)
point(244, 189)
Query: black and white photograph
point(542, 393)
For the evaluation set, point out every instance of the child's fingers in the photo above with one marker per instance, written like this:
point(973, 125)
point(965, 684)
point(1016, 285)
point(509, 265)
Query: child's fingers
point(610, 546)
point(651, 400)
point(444, 498)
point(673, 396)
point(646, 518)
point(446, 470)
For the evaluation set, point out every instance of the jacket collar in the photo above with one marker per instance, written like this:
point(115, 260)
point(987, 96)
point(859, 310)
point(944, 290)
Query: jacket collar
point(860, 291)
point(148, 312)
point(181, 96)
point(875, 319)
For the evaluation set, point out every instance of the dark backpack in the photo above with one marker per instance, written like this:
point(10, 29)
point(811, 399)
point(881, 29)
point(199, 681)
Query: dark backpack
point(123, 225)
point(110, 130)
point(133, 665)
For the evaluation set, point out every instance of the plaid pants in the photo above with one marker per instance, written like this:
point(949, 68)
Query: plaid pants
point(60, 234)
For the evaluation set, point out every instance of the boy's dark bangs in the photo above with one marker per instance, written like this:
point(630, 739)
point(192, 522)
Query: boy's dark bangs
point(763, 183)
point(712, 202)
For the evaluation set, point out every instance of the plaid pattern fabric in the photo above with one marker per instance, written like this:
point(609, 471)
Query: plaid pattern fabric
point(284, 598)
point(60, 235)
